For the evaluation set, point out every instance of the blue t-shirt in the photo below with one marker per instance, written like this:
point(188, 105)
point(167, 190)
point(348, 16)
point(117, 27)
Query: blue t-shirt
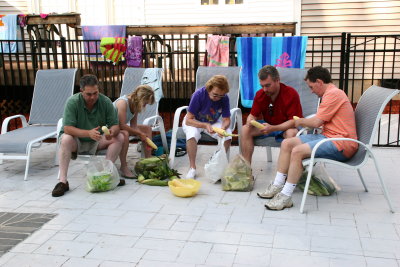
point(206, 110)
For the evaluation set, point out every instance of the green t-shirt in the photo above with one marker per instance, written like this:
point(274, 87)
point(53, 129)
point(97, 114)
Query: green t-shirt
point(76, 114)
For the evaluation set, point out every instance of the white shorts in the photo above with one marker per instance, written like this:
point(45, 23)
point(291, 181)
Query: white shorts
point(194, 132)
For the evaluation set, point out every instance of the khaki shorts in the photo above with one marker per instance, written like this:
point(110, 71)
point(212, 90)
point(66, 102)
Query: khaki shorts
point(84, 147)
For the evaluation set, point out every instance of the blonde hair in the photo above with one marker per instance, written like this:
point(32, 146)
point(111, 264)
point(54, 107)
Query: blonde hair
point(143, 94)
point(219, 81)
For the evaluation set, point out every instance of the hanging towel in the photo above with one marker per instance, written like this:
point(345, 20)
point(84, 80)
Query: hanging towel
point(98, 32)
point(218, 51)
point(134, 51)
point(112, 48)
point(255, 52)
point(9, 32)
point(152, 77)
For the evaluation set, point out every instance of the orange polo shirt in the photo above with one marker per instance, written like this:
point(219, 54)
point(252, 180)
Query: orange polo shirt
point(339, 119)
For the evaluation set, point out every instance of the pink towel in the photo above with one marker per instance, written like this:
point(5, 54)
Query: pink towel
point(218, 51)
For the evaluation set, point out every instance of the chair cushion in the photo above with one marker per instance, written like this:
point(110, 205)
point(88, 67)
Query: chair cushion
point(16, 141)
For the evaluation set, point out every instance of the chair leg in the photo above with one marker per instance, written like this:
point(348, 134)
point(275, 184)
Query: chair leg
point(269, 154)
point(172, 150)
point(163, 137)
point(303, 200)
point(27, 163)
point(385, 192)
point(362, 180)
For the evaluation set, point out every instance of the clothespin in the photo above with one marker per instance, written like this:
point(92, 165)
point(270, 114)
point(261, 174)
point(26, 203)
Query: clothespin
point(1, 22)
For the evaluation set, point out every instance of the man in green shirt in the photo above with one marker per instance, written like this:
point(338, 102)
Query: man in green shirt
point(84, 114)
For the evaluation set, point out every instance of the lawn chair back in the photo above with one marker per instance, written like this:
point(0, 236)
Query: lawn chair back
point(132, 79)
point(51, 91)
point(294, 77)
point(368, 113)
point(203, 74)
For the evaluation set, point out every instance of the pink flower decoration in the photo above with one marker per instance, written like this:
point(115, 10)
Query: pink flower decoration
point(284, 61)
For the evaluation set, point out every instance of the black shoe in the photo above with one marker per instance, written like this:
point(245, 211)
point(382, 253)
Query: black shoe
point(60, 189)
point(121, 182)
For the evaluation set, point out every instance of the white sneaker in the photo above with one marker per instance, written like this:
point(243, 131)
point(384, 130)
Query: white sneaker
point(279, 202)
point(271, 191)
point(191, 174)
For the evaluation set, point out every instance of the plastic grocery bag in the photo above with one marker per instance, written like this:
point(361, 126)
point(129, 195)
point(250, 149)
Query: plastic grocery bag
point(321, 184)
point(101, 175)
point(237, 176)
point(215, 166)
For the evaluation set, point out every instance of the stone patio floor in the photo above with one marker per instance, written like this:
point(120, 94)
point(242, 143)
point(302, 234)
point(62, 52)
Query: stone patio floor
point(139, 225)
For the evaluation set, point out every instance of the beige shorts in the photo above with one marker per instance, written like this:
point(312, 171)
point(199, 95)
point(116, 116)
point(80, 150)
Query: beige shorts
point(194, 132)
point(84, 147)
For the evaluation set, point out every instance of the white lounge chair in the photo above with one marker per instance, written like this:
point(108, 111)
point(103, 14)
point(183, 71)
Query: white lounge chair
point(202, 76)
point(149, 116)
point(51, 91)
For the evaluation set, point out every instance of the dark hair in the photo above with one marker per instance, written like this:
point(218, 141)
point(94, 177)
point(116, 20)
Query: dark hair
point(268, 71)
point(318, 72)
point(219, 81)
point(88, 79)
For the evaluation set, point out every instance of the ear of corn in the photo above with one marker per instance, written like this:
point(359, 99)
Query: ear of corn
point(178, 183)
point(150, 143)
point(223, 132)
point(257, 124)
point(155, 182)
point(105, 130)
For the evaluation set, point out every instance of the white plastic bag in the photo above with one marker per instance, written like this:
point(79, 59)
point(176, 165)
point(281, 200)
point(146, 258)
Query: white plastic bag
point(216, 165)
point(102, 175)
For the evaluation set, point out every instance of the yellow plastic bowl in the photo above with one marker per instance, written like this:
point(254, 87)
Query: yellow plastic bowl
point(184, 191)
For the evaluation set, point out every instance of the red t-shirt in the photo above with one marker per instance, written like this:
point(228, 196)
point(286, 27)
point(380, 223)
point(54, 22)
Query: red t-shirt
point(286, 105)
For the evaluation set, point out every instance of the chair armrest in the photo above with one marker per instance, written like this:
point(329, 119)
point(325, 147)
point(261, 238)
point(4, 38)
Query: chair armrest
point(177, 116)
point(4, 127)
point(148, 120)
point(304, 129)
point(175, 127)
point(59, 125)
point(312, 157)
point(236, 118)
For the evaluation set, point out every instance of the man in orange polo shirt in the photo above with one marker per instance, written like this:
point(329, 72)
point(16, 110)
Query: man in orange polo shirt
point(336, 116)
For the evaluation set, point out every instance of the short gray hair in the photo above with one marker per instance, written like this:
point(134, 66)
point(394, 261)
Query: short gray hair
point(268, 71)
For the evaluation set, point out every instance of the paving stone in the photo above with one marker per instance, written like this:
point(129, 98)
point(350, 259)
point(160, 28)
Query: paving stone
point(15, 227)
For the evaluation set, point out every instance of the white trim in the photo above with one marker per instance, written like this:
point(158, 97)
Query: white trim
point(297, 15)
point(72, 5)
point(110, 12)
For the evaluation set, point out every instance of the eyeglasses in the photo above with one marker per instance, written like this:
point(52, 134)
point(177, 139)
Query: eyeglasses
point(271, 109)
point(216, 95)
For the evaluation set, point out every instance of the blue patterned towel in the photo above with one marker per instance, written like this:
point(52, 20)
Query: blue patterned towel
point(255, 52)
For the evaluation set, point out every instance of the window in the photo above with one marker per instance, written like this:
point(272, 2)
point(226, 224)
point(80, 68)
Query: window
point(233, 2)
point(209, 2)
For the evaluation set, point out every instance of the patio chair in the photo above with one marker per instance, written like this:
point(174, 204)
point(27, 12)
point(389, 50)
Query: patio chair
point(132, 78)
point(309, 102)
point(202, 76)
point(149, 116)
point(368, 112)
point(51, 91)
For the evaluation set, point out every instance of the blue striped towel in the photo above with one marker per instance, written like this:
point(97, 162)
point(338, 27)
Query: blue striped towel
point(255, 52)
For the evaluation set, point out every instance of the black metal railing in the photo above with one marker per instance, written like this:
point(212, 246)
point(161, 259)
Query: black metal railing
point(355, 61)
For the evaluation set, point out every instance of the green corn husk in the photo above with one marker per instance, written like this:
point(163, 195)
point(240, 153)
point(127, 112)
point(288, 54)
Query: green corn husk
point(317, 187)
